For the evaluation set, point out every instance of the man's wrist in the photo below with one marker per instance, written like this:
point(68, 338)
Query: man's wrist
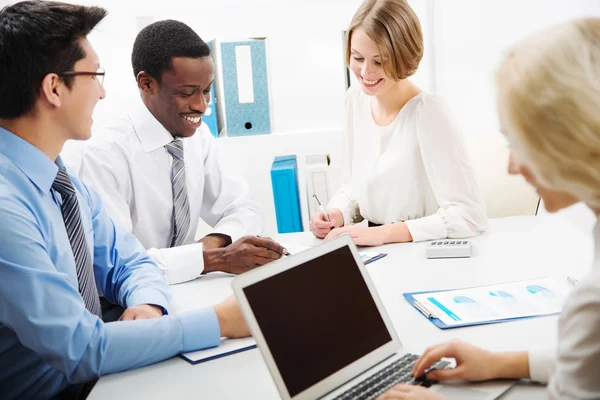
point(156, 308)
point(213, 260)
point(215, 241)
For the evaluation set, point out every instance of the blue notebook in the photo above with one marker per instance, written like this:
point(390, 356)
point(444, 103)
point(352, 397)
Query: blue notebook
point(470, 306)
point(228, 347)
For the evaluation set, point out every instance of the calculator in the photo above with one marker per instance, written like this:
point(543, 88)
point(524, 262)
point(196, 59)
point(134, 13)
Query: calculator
point(448, 248)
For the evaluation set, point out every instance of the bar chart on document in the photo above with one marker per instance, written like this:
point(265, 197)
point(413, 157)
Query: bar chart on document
point(482, 304)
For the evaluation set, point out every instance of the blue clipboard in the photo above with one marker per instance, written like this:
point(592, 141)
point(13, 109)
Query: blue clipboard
point(438, 322)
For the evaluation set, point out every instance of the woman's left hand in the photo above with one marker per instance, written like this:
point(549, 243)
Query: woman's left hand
point(361, 235)
point(408, 392)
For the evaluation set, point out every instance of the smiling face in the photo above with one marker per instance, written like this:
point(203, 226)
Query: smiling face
point(181, 97)
point(78, 102)
point(366, 64)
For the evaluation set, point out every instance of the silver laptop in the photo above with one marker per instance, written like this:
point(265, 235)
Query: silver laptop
point(323, 331)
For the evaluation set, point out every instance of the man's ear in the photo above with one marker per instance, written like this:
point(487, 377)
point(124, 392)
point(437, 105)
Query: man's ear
point(52, 89)
point(146, 83)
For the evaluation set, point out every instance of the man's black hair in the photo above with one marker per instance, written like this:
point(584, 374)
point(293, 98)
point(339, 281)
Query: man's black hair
point(157, 44)
point(38, 38)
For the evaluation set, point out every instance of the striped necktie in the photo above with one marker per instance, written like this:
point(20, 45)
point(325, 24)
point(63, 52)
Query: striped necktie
point(83, 261)
point(181, 206)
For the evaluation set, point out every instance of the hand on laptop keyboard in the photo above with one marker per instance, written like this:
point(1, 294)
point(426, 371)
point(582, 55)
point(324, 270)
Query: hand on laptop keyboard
point(399, 371)
point(472, 363)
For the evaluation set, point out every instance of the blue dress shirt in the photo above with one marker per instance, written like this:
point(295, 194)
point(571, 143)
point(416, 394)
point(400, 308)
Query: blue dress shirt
point(48, 340)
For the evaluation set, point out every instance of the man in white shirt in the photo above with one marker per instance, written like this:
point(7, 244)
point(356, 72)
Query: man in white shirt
point(159, 171)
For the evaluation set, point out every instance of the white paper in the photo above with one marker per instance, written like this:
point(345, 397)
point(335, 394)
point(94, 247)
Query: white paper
point(528, 298)
point(226, 346)
point(295, 248)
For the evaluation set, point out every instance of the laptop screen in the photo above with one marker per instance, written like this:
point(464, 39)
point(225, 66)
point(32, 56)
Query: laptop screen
point(317, 318)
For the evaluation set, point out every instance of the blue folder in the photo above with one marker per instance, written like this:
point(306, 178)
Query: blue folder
point(252, 118)
point(284, 179)
point(438, 322)
point(374, 258)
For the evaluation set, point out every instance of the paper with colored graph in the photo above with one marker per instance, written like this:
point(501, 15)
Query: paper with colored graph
point(529, 298)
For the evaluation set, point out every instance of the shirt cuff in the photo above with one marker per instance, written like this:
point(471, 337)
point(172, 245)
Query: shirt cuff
point(148, 295)
point(180, 264)
point(232, 229)
point(427, 228)
point(200, 329)
point(541, 364)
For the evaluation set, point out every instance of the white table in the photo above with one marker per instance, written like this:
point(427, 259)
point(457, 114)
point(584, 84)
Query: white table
point(512, 249)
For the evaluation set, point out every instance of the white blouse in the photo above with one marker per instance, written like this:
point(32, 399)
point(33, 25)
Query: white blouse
point(415, 170)
point(572, 369)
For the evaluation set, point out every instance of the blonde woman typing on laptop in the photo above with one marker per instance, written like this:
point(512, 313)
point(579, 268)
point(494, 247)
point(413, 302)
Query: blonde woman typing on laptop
point(406, 167)
point(548, 97)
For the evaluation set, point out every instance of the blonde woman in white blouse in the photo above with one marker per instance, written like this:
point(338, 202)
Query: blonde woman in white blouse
point(548, 99)
point(406, 166)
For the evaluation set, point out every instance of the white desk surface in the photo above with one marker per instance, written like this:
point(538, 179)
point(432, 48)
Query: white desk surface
point(512, 249)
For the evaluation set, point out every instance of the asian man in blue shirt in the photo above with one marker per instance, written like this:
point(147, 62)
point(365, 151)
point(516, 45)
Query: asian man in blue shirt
point(59, 249)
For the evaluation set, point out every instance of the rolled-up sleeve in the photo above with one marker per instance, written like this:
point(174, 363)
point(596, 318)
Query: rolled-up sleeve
point(47, 314)
point(461, 210)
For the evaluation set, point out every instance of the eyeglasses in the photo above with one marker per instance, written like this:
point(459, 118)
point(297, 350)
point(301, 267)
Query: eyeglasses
point(99, 74)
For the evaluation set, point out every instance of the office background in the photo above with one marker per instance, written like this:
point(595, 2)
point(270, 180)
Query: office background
point(464, 41)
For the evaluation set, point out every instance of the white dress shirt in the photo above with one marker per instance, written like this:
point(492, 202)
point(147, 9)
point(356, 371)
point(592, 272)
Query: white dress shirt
point(127, 164)
point(415, 170)
point(572, 369)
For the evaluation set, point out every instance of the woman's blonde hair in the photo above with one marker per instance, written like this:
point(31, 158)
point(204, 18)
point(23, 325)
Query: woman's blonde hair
point(549, 92)
point(396, 30)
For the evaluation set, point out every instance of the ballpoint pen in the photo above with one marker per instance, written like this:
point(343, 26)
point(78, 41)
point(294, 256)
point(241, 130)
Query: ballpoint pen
point(321, 208)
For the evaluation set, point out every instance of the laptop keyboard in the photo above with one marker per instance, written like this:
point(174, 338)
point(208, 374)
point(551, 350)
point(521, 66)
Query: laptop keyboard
point(395, 373)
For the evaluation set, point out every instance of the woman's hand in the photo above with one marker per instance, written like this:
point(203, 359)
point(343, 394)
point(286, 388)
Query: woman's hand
point(319, 225)
point(361, 235)
point(472, 363)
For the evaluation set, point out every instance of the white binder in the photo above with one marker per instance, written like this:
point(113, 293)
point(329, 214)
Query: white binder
point(318, 181)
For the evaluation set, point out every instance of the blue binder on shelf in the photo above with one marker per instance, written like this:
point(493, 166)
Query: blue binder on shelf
point(245, 89)
point(284, 178)
point(210, 115)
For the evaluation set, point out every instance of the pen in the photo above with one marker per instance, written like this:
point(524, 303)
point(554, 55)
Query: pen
point(421, 307)
point(321, 208)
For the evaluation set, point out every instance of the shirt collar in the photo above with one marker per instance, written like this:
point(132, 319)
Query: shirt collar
point(149, 130)
point(40, 169)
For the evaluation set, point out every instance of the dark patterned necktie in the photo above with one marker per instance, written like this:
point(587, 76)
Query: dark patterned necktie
point(83, 261)
point(181, 206)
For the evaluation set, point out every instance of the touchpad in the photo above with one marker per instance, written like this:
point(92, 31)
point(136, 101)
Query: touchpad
point(462, 393)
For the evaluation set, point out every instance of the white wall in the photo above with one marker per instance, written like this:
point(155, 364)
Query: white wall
point(464, 39)
point(470, 39)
